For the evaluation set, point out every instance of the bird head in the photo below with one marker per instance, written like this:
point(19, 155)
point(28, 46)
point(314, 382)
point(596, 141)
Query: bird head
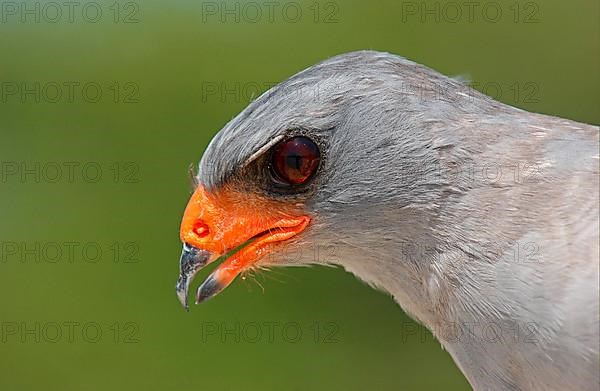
point(347, 163)
point(334, 165)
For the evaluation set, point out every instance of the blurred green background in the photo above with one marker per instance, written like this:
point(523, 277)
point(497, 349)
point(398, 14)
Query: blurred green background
point(102, 167)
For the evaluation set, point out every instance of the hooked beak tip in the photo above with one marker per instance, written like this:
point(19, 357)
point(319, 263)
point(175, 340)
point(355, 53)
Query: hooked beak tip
point(182, 297)
point(192, 259)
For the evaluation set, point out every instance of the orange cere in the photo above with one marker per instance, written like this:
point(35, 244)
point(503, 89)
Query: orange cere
point(221, 220)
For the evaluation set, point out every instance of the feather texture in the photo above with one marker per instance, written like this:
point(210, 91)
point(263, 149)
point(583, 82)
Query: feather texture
point(479, 218)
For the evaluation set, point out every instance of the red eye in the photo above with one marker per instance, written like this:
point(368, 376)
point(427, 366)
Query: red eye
point(295, 160)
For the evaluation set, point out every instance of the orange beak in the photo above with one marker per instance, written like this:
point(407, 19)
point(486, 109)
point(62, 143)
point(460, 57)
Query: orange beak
point(215, 223)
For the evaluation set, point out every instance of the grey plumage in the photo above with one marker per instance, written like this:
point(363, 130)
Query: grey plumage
point(480, 219)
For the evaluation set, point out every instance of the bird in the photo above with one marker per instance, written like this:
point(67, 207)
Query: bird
point(479, 219)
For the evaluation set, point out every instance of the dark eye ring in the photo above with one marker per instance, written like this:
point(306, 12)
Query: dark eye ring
point(294, 161)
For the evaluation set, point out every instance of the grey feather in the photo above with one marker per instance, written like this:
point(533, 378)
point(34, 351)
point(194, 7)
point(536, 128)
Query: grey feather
point(479, 218)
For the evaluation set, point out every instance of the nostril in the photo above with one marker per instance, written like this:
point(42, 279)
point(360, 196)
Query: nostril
point(200, 229)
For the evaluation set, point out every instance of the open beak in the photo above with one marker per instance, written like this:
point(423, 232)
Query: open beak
point(216, 223)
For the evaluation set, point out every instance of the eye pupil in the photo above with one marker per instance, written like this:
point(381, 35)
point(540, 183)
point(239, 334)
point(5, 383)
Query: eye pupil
point(295, 160)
